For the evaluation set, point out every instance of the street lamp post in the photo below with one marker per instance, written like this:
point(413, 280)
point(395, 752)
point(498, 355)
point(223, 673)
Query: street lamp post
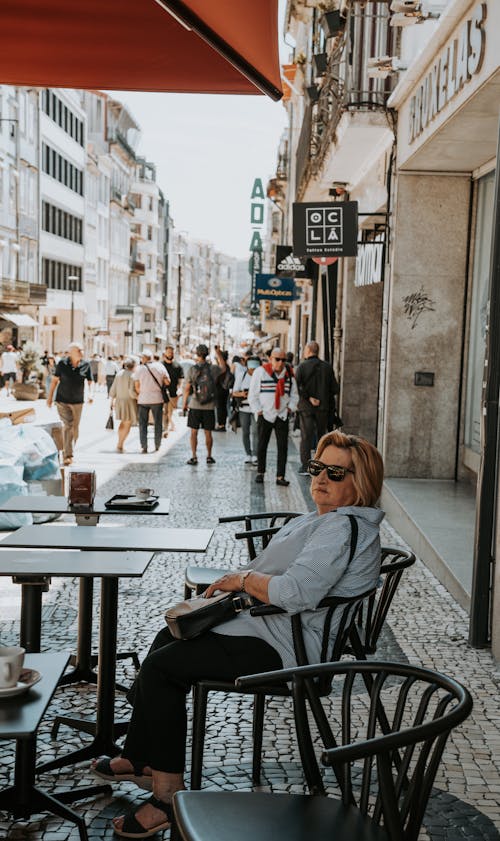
point(72, 279)
point(179, 292)
point(211, 302)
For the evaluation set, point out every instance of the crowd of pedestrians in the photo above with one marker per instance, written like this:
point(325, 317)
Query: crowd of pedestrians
point(257, 394)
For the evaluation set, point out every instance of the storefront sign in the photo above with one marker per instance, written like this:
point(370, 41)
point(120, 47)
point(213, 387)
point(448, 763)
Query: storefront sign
point(325, 229)
point(458, 62)
point(272, 288)
point(370, 262)
point(289, 265)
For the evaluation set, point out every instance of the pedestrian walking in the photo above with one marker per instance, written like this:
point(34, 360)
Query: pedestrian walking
point(223, 386)
point(9, 367)
point(110, 371)
point(316, 408)
point(71, 377)
point(176, 374)
point(124, 401)
point(51, 370)
point(149, 378)
point(94, 369)
point(199, 400)
point(242, 379)
point(273, 397)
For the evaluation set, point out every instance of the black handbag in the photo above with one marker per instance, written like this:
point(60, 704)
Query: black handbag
point(187, 620)
point(110, 424)
point(163, 388)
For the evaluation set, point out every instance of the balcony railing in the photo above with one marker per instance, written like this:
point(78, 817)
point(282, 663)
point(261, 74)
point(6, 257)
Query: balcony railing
point(14, 292)
point(346, 85)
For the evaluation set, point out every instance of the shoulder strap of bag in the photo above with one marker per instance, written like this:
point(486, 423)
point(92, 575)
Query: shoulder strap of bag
point(354, 536)
point(150, 371)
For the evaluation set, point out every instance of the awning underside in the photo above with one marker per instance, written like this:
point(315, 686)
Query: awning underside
point(139, 45)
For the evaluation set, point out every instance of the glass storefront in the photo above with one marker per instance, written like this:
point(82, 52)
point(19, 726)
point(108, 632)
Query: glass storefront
point(479, 303)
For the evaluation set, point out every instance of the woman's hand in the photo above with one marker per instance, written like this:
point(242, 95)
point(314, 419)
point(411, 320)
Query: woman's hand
point(255, 584)
point(230, 583)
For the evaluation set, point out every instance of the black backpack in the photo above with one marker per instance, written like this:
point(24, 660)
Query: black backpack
point(204, 384)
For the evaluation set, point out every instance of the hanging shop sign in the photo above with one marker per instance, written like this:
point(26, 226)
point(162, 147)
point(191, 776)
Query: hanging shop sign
point(257, 206)
point(370, 262)
point(289, 265)
point(458, 62)
point(325, 229)
point(269, 287)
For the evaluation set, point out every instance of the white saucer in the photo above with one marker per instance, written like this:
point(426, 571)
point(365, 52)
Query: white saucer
point(27, 679)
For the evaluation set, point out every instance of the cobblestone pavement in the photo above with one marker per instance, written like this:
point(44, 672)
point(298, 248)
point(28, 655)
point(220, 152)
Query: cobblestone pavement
point(426, 627)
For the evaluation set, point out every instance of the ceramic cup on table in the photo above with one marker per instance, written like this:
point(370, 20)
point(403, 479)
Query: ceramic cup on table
point(143, 493)
point(11, 663)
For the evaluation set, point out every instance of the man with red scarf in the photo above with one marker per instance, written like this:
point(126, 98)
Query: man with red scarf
point(273, 397)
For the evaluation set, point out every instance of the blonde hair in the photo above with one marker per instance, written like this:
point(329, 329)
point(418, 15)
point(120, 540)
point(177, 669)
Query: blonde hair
point(367, 463)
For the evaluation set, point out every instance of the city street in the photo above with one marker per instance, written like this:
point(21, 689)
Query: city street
point(426, 627)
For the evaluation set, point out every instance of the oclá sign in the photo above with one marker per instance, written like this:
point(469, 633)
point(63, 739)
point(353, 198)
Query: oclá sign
point(457, 63)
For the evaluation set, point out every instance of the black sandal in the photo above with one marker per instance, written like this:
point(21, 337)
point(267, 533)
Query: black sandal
point(131, 828)
point(103, 769)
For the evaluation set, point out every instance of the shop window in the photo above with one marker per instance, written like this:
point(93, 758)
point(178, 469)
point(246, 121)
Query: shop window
point(478, 312)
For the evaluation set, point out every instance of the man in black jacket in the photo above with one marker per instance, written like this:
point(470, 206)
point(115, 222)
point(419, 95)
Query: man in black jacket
point(316, 408)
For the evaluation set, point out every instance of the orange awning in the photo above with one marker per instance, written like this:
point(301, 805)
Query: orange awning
point(230, 46)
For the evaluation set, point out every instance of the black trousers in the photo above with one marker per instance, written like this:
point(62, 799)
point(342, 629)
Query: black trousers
point(312, 427)
point(221, 407)
point(264, 430)
point(158, 726)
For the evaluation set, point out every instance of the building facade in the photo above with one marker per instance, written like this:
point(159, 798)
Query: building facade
point(398, 110)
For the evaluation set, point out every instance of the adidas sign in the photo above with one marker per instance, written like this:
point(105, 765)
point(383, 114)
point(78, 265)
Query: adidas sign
point(291, 264)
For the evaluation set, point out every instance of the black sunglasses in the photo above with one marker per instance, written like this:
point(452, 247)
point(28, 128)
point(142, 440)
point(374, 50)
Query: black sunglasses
point(334, 471)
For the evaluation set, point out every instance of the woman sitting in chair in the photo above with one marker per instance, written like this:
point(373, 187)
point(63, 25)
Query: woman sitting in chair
point(309, 558)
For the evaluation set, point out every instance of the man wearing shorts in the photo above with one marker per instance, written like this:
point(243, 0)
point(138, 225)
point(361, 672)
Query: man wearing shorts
point(199, 397)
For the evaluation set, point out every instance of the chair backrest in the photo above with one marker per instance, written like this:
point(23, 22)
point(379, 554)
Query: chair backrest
point(272, 522)
point(386, 775)
point(394, 562)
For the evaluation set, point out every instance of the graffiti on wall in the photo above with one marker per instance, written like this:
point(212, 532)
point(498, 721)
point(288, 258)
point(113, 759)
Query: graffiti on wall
point(415, 304)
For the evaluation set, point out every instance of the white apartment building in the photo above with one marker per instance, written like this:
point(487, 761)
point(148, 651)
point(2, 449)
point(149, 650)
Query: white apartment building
point(20, 289)
point(62, 189)
point(146, 245)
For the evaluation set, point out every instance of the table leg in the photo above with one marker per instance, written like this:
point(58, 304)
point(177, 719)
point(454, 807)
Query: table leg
point(23, 799)
point(83, 662)
point(30, 632)
point(103, 741)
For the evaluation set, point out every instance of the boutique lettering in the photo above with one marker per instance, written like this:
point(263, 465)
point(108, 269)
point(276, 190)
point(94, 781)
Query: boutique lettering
point(458, 62)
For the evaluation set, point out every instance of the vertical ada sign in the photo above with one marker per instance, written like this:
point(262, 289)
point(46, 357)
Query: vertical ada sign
point(256, 220)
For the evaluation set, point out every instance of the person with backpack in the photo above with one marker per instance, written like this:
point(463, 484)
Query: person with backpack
point(273, 397)
point(316, 408)
point(199, 400)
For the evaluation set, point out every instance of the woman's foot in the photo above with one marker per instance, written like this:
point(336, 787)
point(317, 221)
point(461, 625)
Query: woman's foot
point(145, 820)
point(121, 770)
point(119, 449)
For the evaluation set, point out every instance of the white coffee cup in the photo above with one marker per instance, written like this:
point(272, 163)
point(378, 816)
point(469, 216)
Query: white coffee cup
point(11, 663)
point(143, 493)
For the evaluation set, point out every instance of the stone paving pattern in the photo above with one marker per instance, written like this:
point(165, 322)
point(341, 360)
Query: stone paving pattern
point(426, 627)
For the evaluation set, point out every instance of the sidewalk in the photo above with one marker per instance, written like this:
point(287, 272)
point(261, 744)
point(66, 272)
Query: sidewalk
point(427, 627)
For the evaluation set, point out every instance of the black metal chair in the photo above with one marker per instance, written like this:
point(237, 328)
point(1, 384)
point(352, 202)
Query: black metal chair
point(363, 637)
point(345, 608)
point(365, 634)
point(197, 578)
point(384, 780)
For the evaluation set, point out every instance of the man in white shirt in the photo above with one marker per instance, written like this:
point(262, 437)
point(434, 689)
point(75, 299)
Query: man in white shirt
point(149, 377)
point(8, 367)
point(110, 371)
point(273, 397)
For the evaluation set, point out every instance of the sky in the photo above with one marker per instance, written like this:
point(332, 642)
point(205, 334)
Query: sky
point(208, 150)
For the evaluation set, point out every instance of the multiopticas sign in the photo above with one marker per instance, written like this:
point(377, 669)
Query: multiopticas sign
point(458, 62)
